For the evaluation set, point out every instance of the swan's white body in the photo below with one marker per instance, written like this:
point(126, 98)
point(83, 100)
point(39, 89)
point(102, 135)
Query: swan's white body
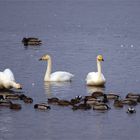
point(96, 78)
point(7, 80)
point(58, 76)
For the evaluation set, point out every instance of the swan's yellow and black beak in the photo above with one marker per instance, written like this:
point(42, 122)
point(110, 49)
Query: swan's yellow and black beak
point(42, 58)
point(45, 57)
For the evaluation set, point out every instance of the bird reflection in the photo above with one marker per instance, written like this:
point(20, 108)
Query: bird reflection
point(9, 91)
point(91, 89)
point(55, 87)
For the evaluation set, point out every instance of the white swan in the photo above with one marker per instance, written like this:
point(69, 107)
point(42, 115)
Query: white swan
point(58, 76)
point(7, 80)
point(96, 78)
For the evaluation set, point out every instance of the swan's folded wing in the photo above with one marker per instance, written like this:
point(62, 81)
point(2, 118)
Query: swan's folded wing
point(91, 76)
point(61, 76)
point(9, 74)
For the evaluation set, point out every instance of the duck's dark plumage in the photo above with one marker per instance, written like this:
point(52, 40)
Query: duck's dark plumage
point(31, 41)
point(118, 103)
point(15, 106)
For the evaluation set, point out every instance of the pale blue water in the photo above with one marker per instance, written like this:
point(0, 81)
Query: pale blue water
point(74, 32)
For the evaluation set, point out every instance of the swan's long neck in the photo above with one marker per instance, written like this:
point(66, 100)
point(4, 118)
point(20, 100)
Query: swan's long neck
point(48, 71)
point(99, 68)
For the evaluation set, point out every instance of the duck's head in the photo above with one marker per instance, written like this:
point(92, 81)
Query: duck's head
point(100, 58)
point(131, 110)
point(45, 57)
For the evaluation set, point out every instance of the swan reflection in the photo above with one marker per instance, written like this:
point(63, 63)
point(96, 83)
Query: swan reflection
point(9, 91)
point(91, 89)
point(52, 88)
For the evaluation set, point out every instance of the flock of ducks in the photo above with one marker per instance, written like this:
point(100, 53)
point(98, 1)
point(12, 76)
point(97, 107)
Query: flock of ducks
point(97, 101)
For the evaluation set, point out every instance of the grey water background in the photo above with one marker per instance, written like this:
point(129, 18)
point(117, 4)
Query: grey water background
point(73, 32)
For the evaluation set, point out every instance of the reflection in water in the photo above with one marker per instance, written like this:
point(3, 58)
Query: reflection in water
point(8, 91)
point(50, 87)
point(91, 89)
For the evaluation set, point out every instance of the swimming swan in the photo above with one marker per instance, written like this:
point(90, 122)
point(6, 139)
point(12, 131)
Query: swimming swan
point(7, 80)
point(58, 76)
point(96, 78)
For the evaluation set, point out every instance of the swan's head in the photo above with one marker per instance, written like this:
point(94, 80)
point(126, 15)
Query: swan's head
point(18, 86)
point(45, 57)
point(100, 58)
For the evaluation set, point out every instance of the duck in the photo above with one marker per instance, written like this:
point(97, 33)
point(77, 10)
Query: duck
point(133, 95)
point(15, 106)
point(5, 103)
point(94, 102)
point(42, 106)
point(105, 99)
point(131, 110)
point(58, 76)
point(64, 103)
point(96, 78)
point(28, 100)
point(97, 94)
point(129, 101)
point(12, 96)
point(22, 97)
point(118, 103)
point(7, 80)
point(101, 107)
point(53, 100)
point(82, 106)
point(31, 41)
point(112, 96)
point(76, 100)
point(1, 98)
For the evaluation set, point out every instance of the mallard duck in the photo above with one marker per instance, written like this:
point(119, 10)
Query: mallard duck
point(118, 103)
point(129, 101)
point(133, 95)
point(53, 100)
point(83, 106)
point(42, 106)
point(76, 100)
point(101, 107)
point(1, 97)
point(15, 106)
point(131, 110)
point(97, 94)
point(12, 96)
point(31, 41)
point(28, 100)
point(5, 103)
point(64, 103)
point(112, 96)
